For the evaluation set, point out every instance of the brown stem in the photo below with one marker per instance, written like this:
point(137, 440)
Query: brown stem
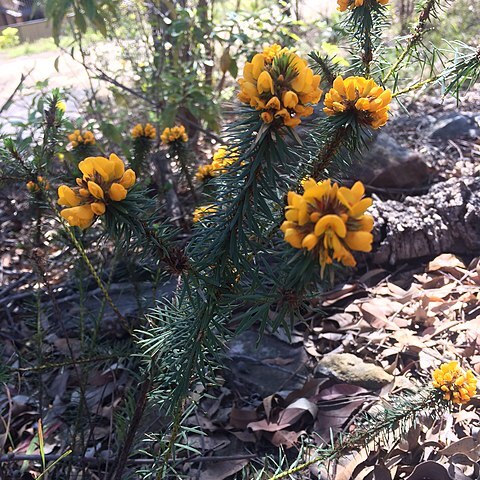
point(328, 152)
point(132, 429)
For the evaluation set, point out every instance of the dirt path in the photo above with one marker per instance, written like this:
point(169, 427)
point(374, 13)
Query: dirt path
point(41, 67)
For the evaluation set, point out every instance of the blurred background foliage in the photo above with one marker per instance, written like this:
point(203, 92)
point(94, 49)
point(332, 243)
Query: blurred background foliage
point(141, 49)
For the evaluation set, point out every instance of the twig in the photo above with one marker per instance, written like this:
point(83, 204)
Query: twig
point(80, 361)
point(132, 429)
point(20, 457)
point(17, 88)
point(414, 38)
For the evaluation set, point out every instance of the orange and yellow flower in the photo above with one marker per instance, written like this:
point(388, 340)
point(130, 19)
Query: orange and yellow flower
point(458, 386)
point(81, 138)
point(144, 131)
point(351, 4)
point(330, 221)
point(368, 101)
point(221, 159)
point(200, 212)
point(278, 83)
point(104, 180)
point(173, 134)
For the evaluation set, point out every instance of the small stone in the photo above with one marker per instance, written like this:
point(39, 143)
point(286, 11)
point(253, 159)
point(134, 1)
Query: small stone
point(348, 368)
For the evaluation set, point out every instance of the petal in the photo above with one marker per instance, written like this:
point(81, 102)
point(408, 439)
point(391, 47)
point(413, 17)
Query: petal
point(310, 241)
point(360, 207)
point(119, 167)
point(117, 192)
point(81, 216)
point(333, 222)
point(293, 238)
point(98, 208)
point(128, 179)
point(95, 190)
point(361, 241)
point(67, 197)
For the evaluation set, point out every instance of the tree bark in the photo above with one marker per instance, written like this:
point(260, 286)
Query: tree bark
point(445, 220)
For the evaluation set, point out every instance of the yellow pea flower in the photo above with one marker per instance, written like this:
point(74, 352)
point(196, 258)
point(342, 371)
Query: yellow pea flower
point(457, 385)
point(329, 221)
point(280, 85)
point(369, 102)
point(174, 134)
point(103, 180)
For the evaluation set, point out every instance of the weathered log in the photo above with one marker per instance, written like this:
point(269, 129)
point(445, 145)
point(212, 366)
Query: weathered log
point(446, 219)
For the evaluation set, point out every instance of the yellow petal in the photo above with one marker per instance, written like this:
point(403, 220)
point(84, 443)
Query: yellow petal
point(360, 207)
point(333, 222)
point(258, 64)
point(361, 241)
point(290, 99)
point(298, 82)
point(98, 208)
point(67, 197)
point(273, 103)
point(117, 192)
point(310, 241)
point(351, 94)
point(95, 190)
point(86, 167)
point(119, 167)
point(265, 83)
point(293, 238)
point(128, 179)
point(339, 86)
point(81, 216)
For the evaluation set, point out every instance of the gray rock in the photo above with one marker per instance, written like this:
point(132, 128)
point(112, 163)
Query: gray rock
point(387, 164)
point(454, 126)
point(351, 369)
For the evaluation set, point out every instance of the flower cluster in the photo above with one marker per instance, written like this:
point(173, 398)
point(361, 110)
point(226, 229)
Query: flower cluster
point(221, 159)
point(351, 4)
point(170, 135)
point(104, 180)
point(81, 138)
point(200, 212)
point(329, 220)
point(365, 98)
point(280, 84)
point(40, 183)
point(61, 105)
point(144, 131)
point(458, 386)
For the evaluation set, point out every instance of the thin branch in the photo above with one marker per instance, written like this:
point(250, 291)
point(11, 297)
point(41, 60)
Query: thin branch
point(17, 88)
point(415, 37)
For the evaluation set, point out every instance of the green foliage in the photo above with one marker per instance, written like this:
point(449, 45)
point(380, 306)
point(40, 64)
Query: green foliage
point(85, 12)
point(235, 260)
point(9, 38)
